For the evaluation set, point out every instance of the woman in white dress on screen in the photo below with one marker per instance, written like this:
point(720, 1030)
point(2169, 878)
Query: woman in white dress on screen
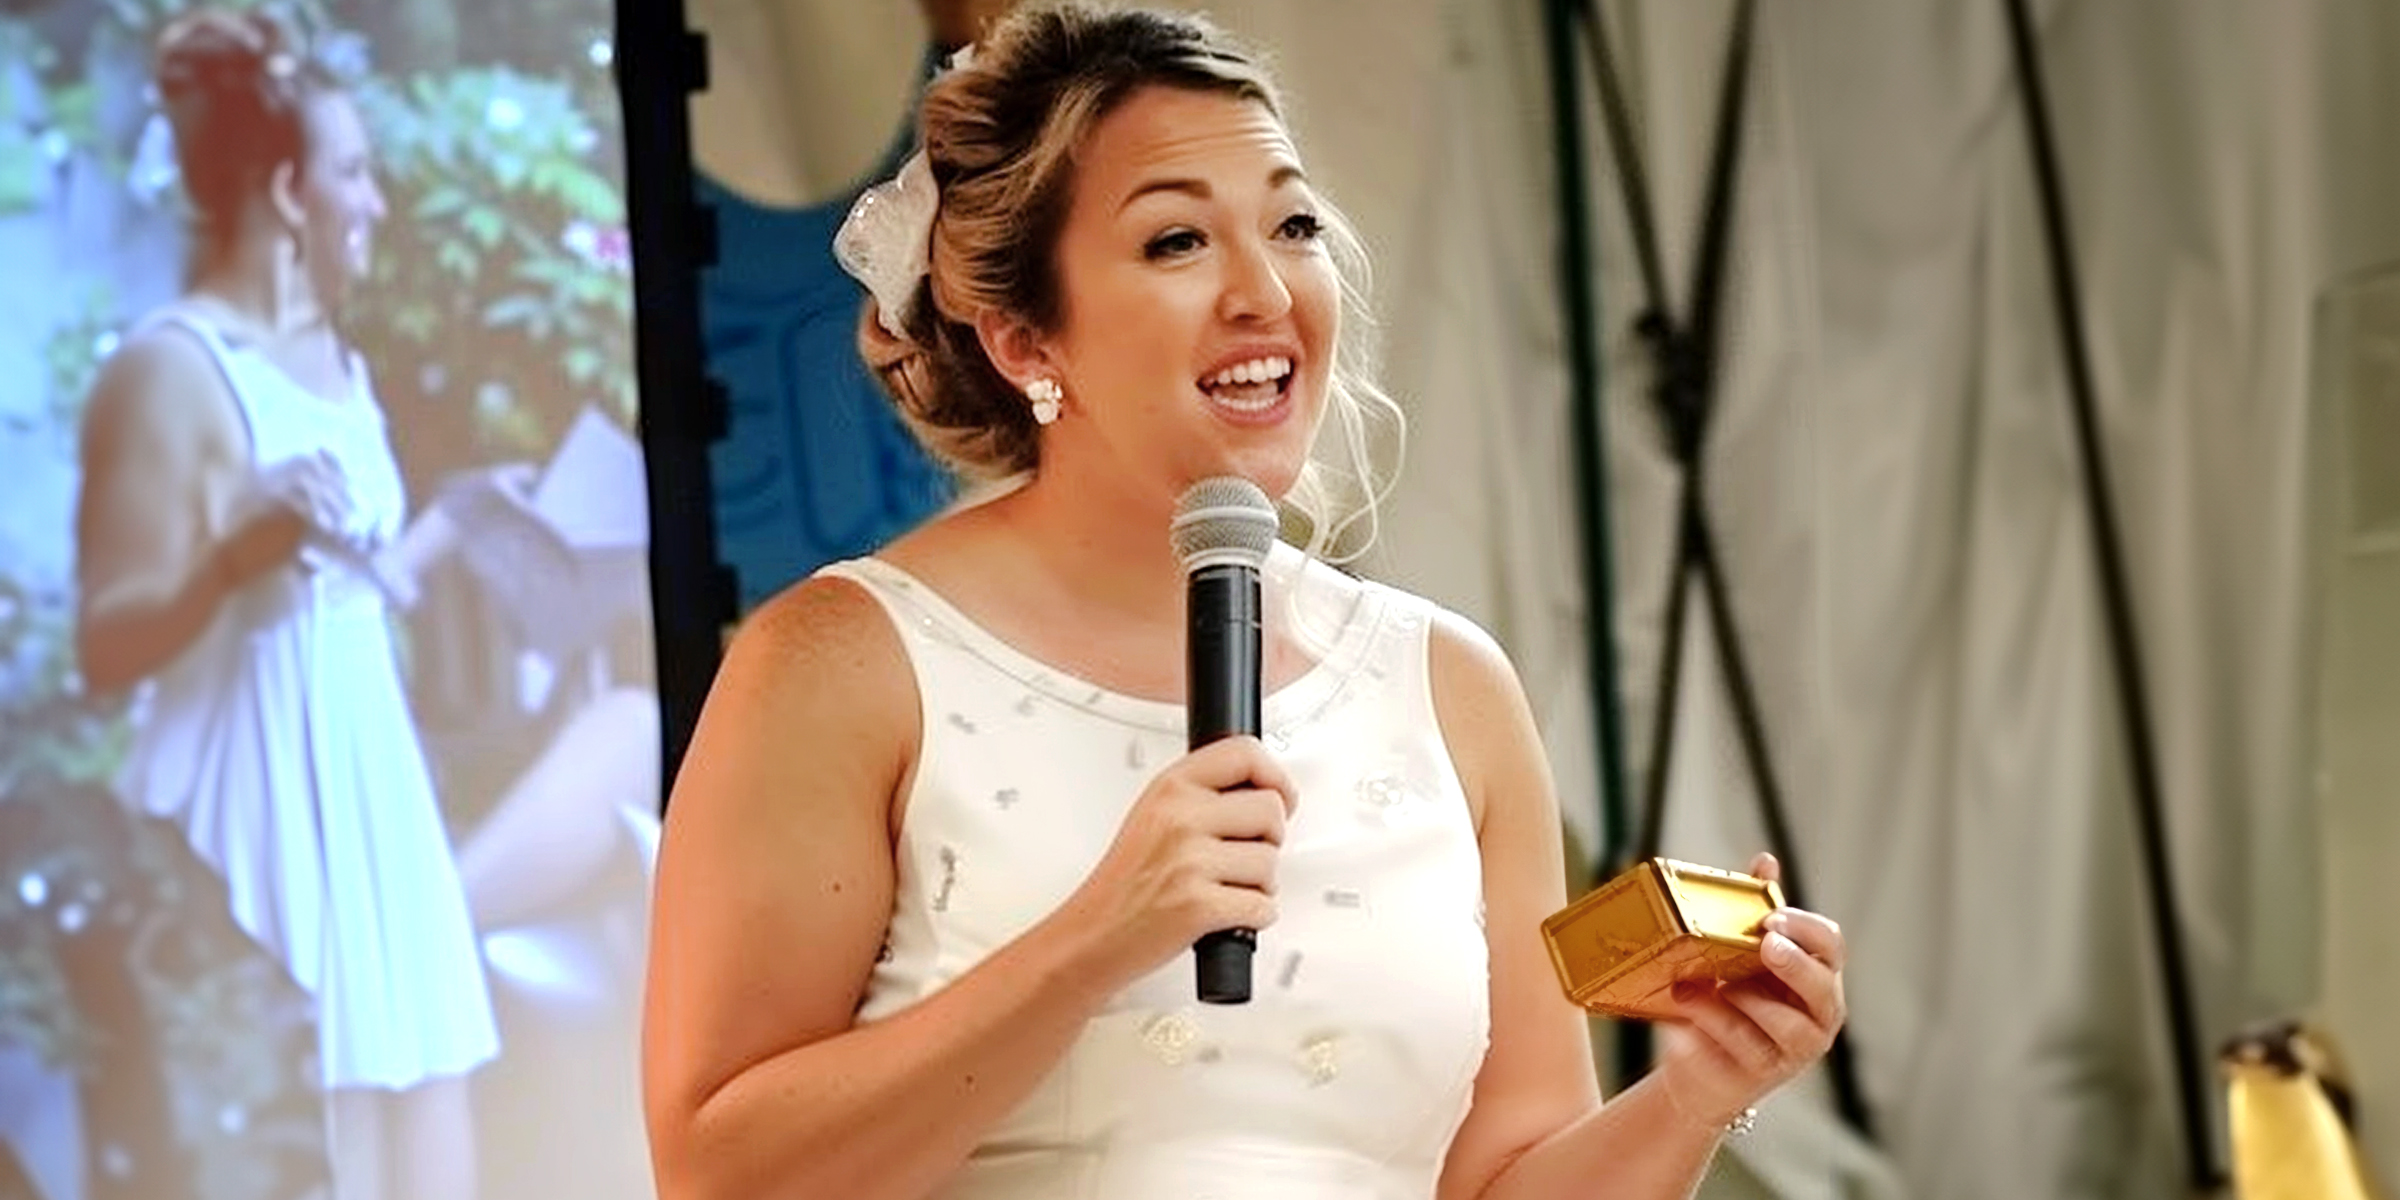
point(933, 863)
point(240, 545)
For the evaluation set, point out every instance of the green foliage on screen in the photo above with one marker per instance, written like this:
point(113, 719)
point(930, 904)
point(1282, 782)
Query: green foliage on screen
point(506, 251)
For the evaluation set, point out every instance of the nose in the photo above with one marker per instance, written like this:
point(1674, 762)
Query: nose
point(1254, 290)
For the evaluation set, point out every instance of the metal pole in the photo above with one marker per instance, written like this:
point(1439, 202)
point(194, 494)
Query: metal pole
point(2116, 599)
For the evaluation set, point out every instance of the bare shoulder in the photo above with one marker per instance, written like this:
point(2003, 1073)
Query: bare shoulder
point(822, 651)
point(162, 350)
point(1485, 718)
point(1466, 655)
point(825, 623)
point(812, 714)
point(161, 385)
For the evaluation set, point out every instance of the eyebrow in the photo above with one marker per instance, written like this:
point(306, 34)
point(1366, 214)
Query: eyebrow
point(1198, 189)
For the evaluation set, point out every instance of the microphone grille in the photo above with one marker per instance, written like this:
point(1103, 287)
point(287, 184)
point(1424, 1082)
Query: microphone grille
point(1227, 519)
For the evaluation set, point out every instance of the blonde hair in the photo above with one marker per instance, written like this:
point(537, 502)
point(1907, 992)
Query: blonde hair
point(1000, 137)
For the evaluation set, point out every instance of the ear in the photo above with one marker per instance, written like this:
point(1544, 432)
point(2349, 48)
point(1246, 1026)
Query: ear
point(283, 195)
point(1020, 354)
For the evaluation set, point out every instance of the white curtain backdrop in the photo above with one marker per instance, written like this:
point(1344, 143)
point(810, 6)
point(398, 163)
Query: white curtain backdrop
point(1893, 473)
point(1894, 485)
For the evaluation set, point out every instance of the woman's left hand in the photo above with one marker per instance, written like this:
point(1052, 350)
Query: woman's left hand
point(1732, 1045)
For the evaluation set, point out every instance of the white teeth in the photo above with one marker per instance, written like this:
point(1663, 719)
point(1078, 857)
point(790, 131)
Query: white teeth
point(1259, 405)
point(1257, 370)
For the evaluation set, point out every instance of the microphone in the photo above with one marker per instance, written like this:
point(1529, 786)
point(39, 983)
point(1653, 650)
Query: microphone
point(1222, 530)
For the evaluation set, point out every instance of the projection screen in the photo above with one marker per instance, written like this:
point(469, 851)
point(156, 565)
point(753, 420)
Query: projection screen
point(329, 747)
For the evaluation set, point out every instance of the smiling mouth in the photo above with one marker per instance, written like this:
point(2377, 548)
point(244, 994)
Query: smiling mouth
point(1250, 388)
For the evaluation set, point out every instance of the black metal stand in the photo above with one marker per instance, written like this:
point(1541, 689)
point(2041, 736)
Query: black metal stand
point(659, 63)
point(1685, 357)
point(2116, 598)
point(1576, 273)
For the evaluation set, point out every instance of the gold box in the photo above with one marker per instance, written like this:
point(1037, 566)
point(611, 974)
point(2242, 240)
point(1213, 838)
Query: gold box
point(1621, 949)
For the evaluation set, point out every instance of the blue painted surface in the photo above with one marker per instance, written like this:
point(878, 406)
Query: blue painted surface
point(815, 466)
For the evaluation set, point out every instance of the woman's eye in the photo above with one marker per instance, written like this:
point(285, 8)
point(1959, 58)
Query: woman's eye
point(1303, 227)
point(1169, 245)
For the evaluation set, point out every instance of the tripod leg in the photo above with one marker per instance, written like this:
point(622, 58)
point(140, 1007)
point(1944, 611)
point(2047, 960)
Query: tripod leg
point(1850, 1093)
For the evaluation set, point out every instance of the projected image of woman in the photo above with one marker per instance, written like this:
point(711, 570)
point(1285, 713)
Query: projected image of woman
point(241, 547)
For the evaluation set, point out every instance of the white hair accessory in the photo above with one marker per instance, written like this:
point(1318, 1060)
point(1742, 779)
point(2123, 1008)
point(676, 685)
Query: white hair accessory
point(886, 241)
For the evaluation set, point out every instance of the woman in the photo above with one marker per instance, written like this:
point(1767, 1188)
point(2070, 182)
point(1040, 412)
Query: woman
point(935, 856)
point(240, 545)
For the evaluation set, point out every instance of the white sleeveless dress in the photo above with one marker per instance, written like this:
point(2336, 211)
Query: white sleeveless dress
point(281, 742)
point(1347, 1075)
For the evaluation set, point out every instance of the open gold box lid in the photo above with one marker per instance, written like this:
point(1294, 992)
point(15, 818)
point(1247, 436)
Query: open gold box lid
point(1621, 949)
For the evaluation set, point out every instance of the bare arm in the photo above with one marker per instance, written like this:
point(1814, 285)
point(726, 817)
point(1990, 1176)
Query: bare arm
point(775, 884)
point(1537, 1130)
point(162, 449)
point(1537, 1079)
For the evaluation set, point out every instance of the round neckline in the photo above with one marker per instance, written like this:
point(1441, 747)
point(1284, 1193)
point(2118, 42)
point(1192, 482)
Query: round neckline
point(1292, 704)
point(240, 344)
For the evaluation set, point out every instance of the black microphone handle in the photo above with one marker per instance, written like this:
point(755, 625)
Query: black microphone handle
point(1221, 650)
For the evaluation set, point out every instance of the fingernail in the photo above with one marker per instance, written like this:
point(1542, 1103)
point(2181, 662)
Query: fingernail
point(1781, 949)
point(1779, 922)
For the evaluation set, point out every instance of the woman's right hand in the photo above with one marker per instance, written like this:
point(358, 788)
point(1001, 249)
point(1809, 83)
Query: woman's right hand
point(274, 520)
point(1195, 854)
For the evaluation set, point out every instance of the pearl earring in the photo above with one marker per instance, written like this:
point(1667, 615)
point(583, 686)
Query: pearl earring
point(1045, 394)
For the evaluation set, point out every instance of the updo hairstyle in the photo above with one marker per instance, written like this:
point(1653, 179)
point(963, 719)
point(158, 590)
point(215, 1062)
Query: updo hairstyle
point(1000, 136)
point(235, 87)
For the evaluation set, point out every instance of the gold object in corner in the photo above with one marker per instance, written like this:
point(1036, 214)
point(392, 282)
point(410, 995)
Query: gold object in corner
point(2285, 1102)
point(1621, 949)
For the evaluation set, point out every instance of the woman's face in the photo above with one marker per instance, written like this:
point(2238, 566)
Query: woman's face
point(338, 199)
point(1201, 306)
